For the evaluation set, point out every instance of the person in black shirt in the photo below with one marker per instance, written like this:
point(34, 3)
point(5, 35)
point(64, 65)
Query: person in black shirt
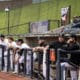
point(71, 45)
point(60, 43)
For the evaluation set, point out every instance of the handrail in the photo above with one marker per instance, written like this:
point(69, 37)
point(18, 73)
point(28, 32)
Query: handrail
point(61, 51)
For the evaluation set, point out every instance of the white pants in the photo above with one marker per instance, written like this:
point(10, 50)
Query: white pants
point(34, 56)
point(16, 64)
point(0, 62)
point(73, 72)
point(11, 60)
point(28, 63)
point(5, 63)
point(0, 58)
point(28, 67)
point(5, 60)
point(21, 60)
point(44, 64)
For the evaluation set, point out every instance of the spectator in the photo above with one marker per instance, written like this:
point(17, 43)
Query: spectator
point(60, 43)
point(19, 57)
point(71, 45)
point(56, 45)
point(3, 43)
point(2, 40)
point(11, 46)
point(41, 56)
point(76, 19)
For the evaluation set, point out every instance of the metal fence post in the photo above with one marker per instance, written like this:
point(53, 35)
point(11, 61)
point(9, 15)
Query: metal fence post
point(25, 56)
point(58, 77)
point(8, 60)
point(31, 63)
point(18, 68)
point(48, 65)
point(61, 51)
point(39, 66)
point(2, 55)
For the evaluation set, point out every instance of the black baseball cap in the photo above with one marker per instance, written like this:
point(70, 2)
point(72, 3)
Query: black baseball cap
point(73, 36)
point(2, 36)
point(20, 40)
point(62, 35)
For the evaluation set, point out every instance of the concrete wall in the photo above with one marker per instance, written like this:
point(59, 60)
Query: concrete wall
point(32, 41)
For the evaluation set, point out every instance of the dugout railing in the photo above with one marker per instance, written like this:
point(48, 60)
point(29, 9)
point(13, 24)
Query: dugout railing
point(25, 52)
point(32, 72)
point(2, 48)
point(50, 65)
point(59, 59)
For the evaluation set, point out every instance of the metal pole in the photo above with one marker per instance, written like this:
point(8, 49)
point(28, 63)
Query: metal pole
point(69, 14)
point(8, 16)
point(58, 23)
point(25, 56)
point(8, 60)
point(31, 63)
point(48, 65)
point(48, 24)
point(58, 77)
point(2, 60)
point(8, 20)
point(39, 66)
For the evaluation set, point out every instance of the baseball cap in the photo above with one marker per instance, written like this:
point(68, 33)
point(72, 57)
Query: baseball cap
point(73, 36)
point(2, 36)
point(62, 35)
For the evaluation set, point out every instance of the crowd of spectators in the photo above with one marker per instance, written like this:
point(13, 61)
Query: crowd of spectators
point(17, 57)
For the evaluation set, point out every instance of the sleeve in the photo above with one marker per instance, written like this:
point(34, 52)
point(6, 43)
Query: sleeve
point(14, 44)
point(52, 45)
point(17, 46)
point(24, 46)
point(72, 47)
point(77, 46)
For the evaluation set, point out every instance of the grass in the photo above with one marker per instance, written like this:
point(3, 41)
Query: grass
point(49, 10)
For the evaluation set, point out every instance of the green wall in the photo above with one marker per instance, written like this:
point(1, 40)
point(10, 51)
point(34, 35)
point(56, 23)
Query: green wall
point(49, 10)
